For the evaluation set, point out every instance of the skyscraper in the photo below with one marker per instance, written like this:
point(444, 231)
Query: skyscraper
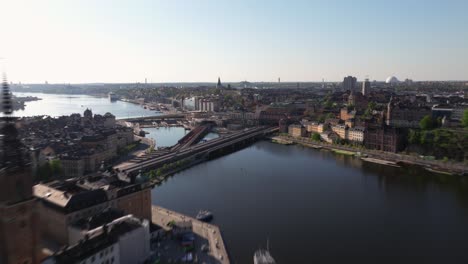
point(19, 229)
point(365, 87)
point(349, 83)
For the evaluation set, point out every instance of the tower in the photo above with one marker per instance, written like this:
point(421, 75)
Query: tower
point(219, 85)
point(366, 87)
point(349, 83)
point(19, 229)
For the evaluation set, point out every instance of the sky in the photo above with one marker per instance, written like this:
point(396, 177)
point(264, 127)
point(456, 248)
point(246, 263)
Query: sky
point(85, 41)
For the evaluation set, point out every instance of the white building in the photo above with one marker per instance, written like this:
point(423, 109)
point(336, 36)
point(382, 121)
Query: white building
point(356, 134)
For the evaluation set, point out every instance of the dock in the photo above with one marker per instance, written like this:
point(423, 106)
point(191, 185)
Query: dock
point(382, 162)
point(217, 250)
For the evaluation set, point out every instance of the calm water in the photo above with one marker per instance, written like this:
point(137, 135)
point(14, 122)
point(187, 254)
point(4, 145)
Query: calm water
point(166, 136)
point(319, 207)
point(60, 104)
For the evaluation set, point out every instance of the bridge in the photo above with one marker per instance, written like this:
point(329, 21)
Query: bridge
point(167, 156)
point(153, 118)
point(192, 138)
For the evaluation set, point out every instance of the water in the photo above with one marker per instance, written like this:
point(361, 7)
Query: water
point(319, 207)
point(166, 136)
point(60, 104)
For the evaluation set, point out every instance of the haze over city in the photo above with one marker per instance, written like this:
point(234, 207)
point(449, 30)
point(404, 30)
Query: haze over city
point(197, 41)
point(203, 131)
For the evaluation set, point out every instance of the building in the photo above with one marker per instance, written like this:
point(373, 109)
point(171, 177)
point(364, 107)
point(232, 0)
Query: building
point(349, 83)
point(315, 127)
point(366, 86)
point(207, 104)
point(19, 228)
point(385, 139)
point(356, 134)
point(340, 130)
point(329, 136)
point(64, 202)
point(405, 115)
point(284, 125)
point(122, 240)
point(296, 130)
point(346, 114)
point(357, 100)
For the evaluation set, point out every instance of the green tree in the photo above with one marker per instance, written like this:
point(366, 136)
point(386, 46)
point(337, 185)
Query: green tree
point(465, 118)
point(414, 136)
point(159, 172)
point(426, 123)
point(316, 137)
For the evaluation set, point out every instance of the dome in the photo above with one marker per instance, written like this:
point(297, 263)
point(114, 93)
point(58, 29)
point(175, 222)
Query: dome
point(392, 79)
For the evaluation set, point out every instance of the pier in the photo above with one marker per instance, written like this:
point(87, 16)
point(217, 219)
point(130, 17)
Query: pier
point(217, 252)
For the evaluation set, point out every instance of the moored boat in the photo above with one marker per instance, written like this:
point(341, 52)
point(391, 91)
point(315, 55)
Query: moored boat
point(204, 215)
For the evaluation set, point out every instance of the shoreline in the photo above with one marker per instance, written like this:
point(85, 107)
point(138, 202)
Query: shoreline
point(384, 158)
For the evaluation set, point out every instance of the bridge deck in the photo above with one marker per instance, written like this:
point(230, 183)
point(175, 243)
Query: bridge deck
point(209, 146)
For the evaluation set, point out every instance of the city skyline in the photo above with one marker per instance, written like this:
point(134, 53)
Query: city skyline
point(197, 41)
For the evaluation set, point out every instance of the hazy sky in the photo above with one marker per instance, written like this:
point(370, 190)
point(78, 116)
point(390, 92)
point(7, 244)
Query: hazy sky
point(255, 40)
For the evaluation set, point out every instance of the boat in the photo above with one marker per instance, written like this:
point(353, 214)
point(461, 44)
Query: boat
point(204, 215)
point(263, 256)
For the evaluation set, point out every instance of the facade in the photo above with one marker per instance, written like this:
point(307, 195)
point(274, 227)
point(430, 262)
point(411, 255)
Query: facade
point(345, 114)
point(349, 83)
point(63, 202)
point(356, 134)
point(340, 130)
point(314, 127)
point(296, 130)
point(405, 116)
point(385, 139)
point(207, 104)
point(366, 86)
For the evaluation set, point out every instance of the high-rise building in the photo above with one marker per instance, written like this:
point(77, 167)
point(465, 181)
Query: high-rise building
point(349, 83)
point(19, 233)
point(365, 87)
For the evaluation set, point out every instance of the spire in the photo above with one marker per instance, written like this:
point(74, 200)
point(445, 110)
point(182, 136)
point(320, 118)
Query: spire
point(6, 97)
point(219, 83)
point(12, 156)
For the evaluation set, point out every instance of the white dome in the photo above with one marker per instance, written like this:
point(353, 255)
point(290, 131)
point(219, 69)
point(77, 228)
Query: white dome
point(392, 79)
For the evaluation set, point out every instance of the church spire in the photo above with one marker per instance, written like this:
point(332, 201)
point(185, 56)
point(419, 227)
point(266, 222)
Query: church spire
point(12, 156)
point(6, 97)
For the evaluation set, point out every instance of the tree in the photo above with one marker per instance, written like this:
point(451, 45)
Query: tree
point(414, 137)
point(371, 105)
point(426, 123)
point(465, 118)
point(316, 137)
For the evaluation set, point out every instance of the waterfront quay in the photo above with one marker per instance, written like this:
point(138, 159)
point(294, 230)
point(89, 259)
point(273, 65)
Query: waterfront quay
point(382, 157)
point(205, 233)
